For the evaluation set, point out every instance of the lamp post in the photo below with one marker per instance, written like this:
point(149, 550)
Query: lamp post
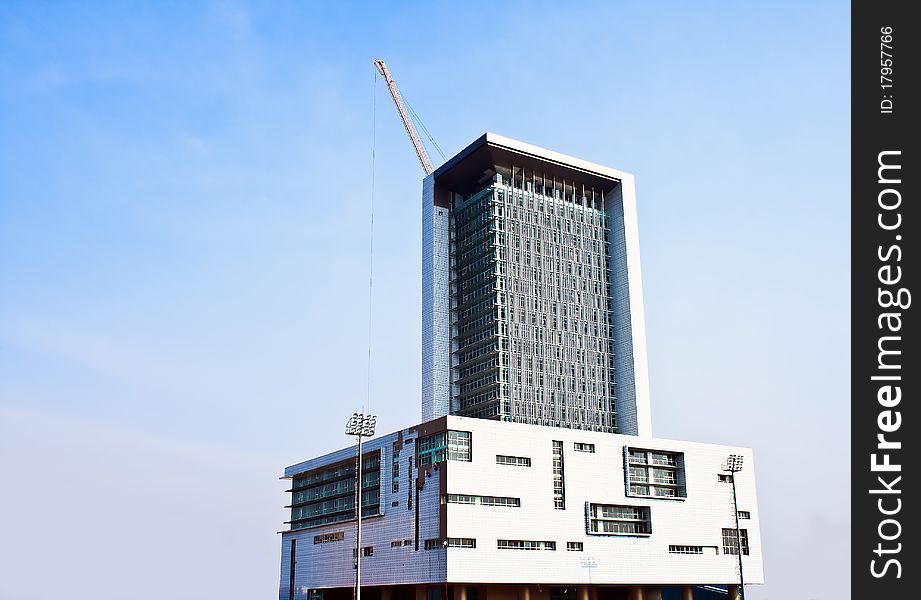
point(360, 425)
point(734, 465)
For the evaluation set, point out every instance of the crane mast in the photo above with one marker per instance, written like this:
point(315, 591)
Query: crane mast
point(407, 123)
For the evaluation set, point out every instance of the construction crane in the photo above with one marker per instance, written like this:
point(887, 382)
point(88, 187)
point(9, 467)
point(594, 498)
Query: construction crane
point(407, 122)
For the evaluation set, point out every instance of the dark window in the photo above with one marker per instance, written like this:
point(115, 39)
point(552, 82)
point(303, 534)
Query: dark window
point(731, 542)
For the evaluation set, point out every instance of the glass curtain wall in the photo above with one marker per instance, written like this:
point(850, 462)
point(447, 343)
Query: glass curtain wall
point(533, 319)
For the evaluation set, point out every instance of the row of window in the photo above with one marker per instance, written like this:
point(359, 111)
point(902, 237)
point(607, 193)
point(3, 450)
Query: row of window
point(730, 543)
point(326, 495)
point(450, 542)
point(435, 543)
point(516, 461)
point(481, 500)
point(329, 537)
point(677, 549)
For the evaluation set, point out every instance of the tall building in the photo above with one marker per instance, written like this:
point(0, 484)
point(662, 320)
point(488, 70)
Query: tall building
point(533, 302)
point(534, 474)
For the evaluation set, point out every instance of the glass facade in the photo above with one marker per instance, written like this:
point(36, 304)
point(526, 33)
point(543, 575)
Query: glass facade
point(532, 324)
point(327, 495)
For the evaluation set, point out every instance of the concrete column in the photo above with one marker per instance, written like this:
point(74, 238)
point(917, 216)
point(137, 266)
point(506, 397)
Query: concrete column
point(460, 592)
point(687, 592)
point(733, 592)
point(524, 593)
point(636, 593)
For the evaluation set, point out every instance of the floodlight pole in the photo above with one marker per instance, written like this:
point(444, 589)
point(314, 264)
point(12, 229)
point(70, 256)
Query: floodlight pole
point(359, 425)
point(734, 465)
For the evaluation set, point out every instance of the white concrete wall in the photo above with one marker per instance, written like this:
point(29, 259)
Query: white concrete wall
point(598, 478)
point(589, 477)
point(631, 374)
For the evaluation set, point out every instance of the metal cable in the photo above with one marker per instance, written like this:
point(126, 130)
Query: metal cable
point(366, 406)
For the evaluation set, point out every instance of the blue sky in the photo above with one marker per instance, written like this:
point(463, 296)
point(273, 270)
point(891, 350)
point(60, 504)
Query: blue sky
point(184, 201)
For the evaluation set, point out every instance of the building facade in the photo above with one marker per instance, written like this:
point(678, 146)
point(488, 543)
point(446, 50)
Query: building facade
point(532, 295)
point(534, 473)
point(460, 506)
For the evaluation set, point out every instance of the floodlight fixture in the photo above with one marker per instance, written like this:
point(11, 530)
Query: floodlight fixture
point(733, 463)
point(361, 424)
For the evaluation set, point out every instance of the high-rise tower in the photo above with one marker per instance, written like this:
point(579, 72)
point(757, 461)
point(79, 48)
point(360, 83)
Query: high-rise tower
point(532, 296)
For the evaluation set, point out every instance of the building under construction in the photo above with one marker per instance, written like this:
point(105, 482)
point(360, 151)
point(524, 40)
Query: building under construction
point(533, 474)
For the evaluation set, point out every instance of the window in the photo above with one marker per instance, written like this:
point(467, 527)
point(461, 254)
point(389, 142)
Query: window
point(637, 457)
point(672, 549)
point(396, 544)
point(613, 519)
point(744, 514)
point(459, 445)
point(574, 546)
point(447, 445)
point(395, 468)
point(679, 549)
point(655, 473)
point(724, 478)
point(435, 543)
point(525, 545)
point(482, 500)
point(731, 542)
point(582, 447)
point(516, 461)
point(329, 537)
point(559, 490)
point(365, 551)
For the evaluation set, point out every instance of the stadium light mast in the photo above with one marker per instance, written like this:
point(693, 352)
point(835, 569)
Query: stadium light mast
point(733, 465)
point(360, 425)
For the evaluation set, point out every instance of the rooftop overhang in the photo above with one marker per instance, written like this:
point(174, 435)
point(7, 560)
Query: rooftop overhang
point(466, 172)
